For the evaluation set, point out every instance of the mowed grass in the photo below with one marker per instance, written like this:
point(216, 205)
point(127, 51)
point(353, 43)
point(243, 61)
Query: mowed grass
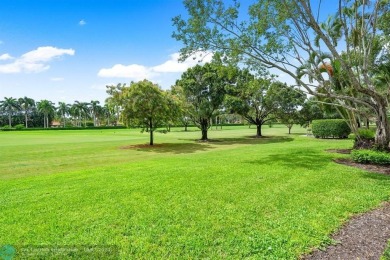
point(234, 197)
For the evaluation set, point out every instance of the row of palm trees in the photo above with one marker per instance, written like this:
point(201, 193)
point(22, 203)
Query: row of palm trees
point(76, 114)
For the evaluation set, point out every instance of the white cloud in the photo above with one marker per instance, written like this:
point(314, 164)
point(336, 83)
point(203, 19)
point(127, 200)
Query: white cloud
point(173, 64)
point(82, 22)
point(133, 71)
point(139, 72)
point(35, 61)
point(6, 56)
point(57, 79)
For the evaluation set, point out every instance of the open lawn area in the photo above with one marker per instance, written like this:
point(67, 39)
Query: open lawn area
point(234, 197)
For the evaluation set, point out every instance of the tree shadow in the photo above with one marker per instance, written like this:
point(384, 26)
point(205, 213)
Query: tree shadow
point(192, 146)
point(245, 140)
point(176, 148)
point(308, 159)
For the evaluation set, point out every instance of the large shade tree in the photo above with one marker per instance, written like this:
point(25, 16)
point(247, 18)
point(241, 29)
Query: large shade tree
point(9, 105)
point(204, 88)
point(285, 34)
point(144, 105)
point(253, 98)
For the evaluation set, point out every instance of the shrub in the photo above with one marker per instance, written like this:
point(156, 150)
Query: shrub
point(19, 127)
point(6, 128)
point(366, 134)
point(370, 156)
point(330, 128)
point(366, 140)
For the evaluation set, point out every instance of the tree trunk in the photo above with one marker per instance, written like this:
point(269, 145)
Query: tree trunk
point(289, 129)
point(258, 133)
point(10, 119)
point(204, 125)
point(185, 127)
point(26, 119)
point(151, 131)
point(204, 135)
point(367, 123)
point(382, 136)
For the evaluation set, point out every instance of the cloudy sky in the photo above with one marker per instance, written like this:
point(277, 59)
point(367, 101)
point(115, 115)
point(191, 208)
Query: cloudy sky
point(67, 50)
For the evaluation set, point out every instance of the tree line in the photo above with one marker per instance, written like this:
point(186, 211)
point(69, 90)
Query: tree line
point(30, 113)
point(206, 92)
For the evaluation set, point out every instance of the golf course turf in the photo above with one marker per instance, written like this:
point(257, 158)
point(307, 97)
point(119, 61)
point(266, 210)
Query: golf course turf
point(275, 197)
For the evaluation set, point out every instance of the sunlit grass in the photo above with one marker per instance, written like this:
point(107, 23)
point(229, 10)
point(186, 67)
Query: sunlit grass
point(234, 197)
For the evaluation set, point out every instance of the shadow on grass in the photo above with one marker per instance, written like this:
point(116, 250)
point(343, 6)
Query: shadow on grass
point(307, 159)
point(176, 148)
point(246, 140)
point(192, 146)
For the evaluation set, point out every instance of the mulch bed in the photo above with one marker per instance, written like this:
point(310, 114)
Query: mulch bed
point(368, 167)
point(364, 237)
point(383, 169)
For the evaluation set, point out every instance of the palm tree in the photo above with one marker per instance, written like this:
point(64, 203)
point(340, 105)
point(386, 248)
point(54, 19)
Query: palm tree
point(80, 110)
point(94, 104)
point(63, 110)
point(46, 107)
point(9, 105)
point(26, 104)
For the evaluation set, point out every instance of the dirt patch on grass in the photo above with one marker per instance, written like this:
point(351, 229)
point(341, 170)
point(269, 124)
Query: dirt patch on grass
point(364, 237)
point(342, 151)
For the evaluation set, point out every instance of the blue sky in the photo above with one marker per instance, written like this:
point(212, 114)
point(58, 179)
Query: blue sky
point(67, 50)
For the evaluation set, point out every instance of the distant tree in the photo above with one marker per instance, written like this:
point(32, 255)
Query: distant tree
point(184, 107)
point(144, 105)
point(94, 106)
point(9, 105)
point(26, 104)
point(80, 111)
point(108, 112)
point(46, 108)
point(255, 99)
point(114, 100)
point(63, 109)
point(204, 89)
point(310, 111)
point(289, 101)
point(175, 110)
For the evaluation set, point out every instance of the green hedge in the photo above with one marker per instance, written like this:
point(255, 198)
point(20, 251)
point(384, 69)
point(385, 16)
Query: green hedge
point(370, 156)
point(330, 128)
point(6, 128)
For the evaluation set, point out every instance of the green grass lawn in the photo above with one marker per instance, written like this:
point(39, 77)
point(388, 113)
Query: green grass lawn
point(234, 197)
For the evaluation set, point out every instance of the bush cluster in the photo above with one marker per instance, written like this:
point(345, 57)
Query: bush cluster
point(330, 128)
point(370, 156)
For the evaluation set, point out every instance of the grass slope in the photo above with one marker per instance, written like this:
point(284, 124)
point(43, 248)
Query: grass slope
point(235, 197)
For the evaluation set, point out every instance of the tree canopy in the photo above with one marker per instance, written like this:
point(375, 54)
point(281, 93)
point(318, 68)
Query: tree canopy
point(204, 89)
point(145, 105)
point(288, 34)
